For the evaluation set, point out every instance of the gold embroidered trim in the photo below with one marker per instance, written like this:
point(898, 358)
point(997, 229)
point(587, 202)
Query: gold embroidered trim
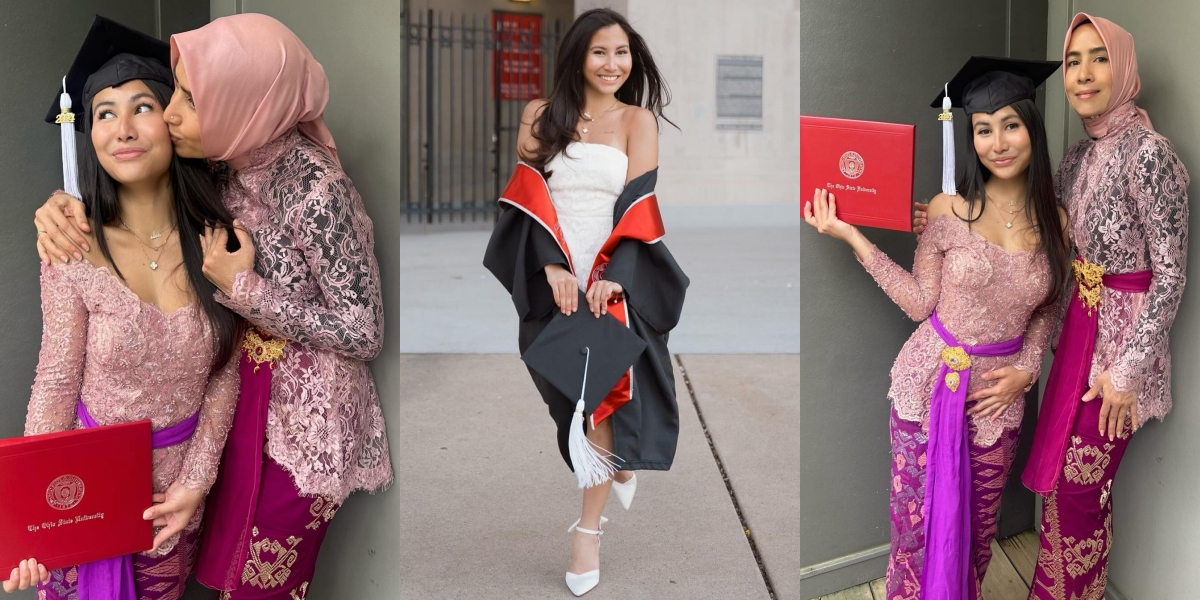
point(321, 510)
point(262, 351)
point(300, 593)
point(266, 574)
point(1090, 277)
point(957, 359)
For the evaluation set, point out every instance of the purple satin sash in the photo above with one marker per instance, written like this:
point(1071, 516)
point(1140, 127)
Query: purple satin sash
point(112, 578)
point(1067, 382)
point(948, 469)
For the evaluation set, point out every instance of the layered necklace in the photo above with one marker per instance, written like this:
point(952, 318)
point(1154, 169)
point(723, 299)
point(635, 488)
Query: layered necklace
point(153, 235)
point(1011, 211)
point(590, 119)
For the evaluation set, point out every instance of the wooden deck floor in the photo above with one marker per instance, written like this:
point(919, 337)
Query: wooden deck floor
point(1007, 578)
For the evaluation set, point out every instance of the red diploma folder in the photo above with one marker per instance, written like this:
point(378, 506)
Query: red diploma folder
point(75, 496)
point(867, 165)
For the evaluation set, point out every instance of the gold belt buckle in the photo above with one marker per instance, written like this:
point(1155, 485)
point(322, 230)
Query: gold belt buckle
point(1090, 277)
point(957, 359)
point(262, 350)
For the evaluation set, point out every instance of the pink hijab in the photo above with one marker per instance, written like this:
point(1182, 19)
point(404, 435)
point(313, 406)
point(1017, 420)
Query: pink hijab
point(1125, 81)
point(252, 80)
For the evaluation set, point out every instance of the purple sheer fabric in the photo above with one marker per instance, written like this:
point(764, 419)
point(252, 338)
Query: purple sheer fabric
point(948, 476)
point(112, 578)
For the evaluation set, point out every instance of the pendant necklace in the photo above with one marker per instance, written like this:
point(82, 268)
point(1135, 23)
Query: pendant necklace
point(1012, 211)
point(589, 118)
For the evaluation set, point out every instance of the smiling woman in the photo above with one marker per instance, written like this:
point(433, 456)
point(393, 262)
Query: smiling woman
point(132, 331)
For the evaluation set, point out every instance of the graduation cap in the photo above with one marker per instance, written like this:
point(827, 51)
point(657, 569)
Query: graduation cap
point(584, 357)
point(985, 84)
point(111, 55)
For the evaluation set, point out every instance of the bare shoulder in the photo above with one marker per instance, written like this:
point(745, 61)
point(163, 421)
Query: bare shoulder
point(532, 109)
point(639, 120)
point(943, 204)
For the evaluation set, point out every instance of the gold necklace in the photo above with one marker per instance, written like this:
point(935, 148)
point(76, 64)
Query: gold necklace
point(154, 263)
point(153, 235)
point(1011, 212)
point(588, 116)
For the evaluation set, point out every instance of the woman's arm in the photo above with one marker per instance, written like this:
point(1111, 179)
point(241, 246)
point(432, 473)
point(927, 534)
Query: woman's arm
point(333, 230)
point(203, 455)
point(1159, 190)
point(59, 377)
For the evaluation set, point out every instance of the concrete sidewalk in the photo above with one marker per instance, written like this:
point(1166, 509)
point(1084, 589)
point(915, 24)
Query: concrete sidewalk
point(485, 499)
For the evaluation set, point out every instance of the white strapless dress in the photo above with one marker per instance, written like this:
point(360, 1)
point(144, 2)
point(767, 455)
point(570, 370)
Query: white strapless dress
point(584, 185)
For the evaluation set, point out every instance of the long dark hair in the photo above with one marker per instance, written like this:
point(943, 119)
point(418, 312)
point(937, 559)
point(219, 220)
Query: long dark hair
point(197, 204)
point(554, 127)
point(1041, 207)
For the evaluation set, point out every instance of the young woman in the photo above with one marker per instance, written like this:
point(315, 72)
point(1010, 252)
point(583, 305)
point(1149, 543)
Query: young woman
point(590, 153)
point(250, 95)
point(132, 331)
point(985, 279)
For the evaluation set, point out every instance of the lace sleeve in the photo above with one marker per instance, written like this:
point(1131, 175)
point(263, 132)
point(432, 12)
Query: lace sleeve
point(1037, 336)
point(216, 416)
point(59, 375)
point(1159, 188)
point(915, 293)
point(331, 225)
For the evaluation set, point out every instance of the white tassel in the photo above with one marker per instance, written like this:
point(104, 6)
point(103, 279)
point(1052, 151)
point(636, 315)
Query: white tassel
point(592, 467)
point(947, 119)
point(66, 124)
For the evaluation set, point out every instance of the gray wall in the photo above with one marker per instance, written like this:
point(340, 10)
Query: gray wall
point(38, 42)
point(1157, 529)
point(880, 61)
point(358, 43)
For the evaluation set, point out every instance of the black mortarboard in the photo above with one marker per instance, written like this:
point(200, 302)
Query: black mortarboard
point(986, 83)
point(558, 353)
point(584, 357)
point(111, 54)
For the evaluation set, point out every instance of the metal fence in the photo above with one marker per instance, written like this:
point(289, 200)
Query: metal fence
point(466, 79)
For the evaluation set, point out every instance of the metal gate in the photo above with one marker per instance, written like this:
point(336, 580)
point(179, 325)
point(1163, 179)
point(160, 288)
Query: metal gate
point(461, 113)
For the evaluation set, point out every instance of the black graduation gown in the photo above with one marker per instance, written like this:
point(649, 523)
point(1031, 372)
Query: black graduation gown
point(646, 425)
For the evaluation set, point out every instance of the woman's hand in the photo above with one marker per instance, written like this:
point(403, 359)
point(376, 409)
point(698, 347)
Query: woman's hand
point(920, 217)
point(61, 224)
point(822, 214)
point(565, 288)
point(27, 574)
point(599, 294)
point(1009, 384)
point(173, 511)
point(1116, 408)
point(220, 265)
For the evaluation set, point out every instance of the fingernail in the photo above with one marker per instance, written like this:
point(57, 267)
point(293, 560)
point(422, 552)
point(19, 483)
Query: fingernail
point(63, 257)
point(78, 256)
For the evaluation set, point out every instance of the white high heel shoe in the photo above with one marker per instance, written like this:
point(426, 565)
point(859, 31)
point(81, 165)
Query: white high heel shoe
point(582, 583)
point(625, 491)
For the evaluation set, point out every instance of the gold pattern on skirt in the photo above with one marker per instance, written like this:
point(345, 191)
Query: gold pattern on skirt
point(262, 351)
point(264, 573)
point(300, 592)
point(1086, 464)
point(322, 509)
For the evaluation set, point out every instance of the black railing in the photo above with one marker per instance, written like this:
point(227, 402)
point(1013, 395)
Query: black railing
point(464, 85)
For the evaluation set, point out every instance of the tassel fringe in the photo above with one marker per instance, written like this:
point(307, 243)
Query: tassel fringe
point(947, 119)
point(66, 124)
point(593, 464)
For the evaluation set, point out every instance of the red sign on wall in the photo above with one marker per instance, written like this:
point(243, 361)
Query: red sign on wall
point(520, 69)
